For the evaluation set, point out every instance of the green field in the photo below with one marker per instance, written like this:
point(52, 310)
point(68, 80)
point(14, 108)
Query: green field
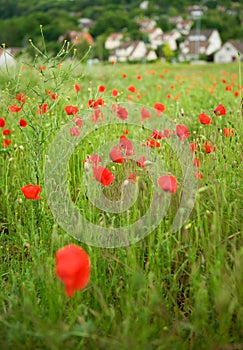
point(169, 290)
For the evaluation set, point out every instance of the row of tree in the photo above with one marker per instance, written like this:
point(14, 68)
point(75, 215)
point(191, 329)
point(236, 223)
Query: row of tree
point(21, 19)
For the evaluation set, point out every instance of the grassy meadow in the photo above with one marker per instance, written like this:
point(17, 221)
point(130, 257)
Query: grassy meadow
point(170, 290)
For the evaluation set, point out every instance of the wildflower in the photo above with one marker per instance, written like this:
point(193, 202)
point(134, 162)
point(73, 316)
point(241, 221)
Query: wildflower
point(6, 143)
point(133, 178)
point(159, 107)
point(52, 95)
point(31, 191)
point(145, 114)
point(23, 123)
point(156, 134)
point(198, 175)
point(20, 97)
point(182, 132)
point(6, 132)
point(116, 155)
point(141, 162)
point(131, 88)
point(228, 132)
point(126, 145)
point(71, 110)
point(193, 146)
point(167, 133)
point(42, 109)
point(209, 148)
point(77, 87)
point(94, 159)
point(74, 132)
point(168, 183)
point(220, 110)
point(115, 92)
point(204, 119)
point(101, 88)
point(196, 162)
point(103, 175)
point(2, 123)
point(152, 143)
point(14, 108)
point(73, 268)
point(121, 113)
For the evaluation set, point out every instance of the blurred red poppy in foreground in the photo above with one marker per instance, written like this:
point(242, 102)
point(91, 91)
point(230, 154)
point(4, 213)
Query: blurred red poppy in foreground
point(71, 110)
point(2, 123)
point(220, 110)
point(168, 183)
point(116, 155)
point(204, 119)
point(73, 268)
point(31, 191)
point(103, 175)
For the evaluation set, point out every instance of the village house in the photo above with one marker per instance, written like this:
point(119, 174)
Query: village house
point(202, 43)
point(113, 41)
point(229, 52)
point(132, 51)
point(7, 57)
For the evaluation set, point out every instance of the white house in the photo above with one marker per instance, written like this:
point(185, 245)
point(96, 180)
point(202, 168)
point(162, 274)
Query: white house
point(7, 57)
point(229, 52)
point(170, 39)
point(113, 41)
point(204, 42)
point(132, 51)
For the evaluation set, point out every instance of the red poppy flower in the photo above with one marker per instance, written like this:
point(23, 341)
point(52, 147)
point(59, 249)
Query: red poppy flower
point(2, 123)
point(14, 108)
point(94, 159)
point(101, 88)
point(78, 121)
point(220, 110)
point(133, 178)
point(167, 133)
point(115, 92)
point(131, 88)
point(156, 134)
point(228, 132)
point(126, 145)
point(168, 183)
point(31, 191)
point(77, 87)
point(52, 95)
point(141, 162)
point(73, 268)
point(198, 175)
point(22, 123)
point(116, 155)
point(196, 162)
point(6, 132)
point(103, 175)
point(145, 114)
point(42, 109)
point(193, 146)
point(6, 143)
point(159, 107)
point(204, 119)
point(20, 97)
point(236, 93)
point(96, 115)
point(124, 75)
point(74, 132)
point(98, 103)
point(209, 148)
point(71, 110)
point(182, 132)
point(139, 77)
point(152, 143)
point(121, 112)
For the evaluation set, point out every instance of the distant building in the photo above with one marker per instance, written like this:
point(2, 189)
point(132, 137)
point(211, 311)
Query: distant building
point(113, 41)
point(86, 23)
point(132, 51)
point(7, 57)
point(200, 43)
point(229, 52)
